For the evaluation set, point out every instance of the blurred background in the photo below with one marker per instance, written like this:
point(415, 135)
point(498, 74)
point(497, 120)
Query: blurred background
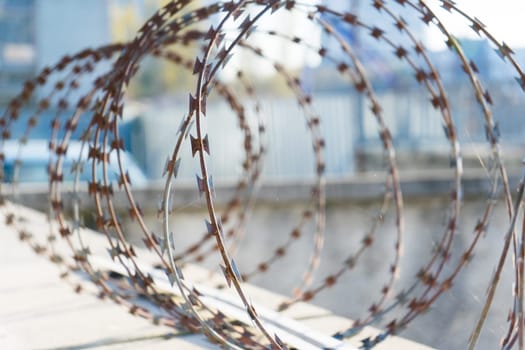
point(37, 33)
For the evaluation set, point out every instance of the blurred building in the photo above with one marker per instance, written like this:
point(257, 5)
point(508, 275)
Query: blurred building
point(37, 33)
point(17, 45)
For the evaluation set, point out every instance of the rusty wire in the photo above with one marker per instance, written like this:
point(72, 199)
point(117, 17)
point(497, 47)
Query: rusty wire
point(175, 26)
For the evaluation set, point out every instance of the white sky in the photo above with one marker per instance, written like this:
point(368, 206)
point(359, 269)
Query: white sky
point(505, 19)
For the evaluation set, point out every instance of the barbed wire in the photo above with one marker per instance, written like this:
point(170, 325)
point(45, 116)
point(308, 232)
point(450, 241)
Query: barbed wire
point(220, 31)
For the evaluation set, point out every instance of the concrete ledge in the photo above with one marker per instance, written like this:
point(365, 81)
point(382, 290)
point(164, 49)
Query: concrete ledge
point(35, 301)
point(360, 188)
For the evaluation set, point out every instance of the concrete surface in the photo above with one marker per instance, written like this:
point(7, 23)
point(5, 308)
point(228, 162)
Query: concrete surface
point(38, 310)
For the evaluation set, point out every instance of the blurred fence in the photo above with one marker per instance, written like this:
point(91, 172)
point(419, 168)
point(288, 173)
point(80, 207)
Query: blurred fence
point(347, 124)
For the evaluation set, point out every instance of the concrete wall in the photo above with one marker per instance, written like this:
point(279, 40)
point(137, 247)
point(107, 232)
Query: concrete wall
point(446, 326)
point(352, 206)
